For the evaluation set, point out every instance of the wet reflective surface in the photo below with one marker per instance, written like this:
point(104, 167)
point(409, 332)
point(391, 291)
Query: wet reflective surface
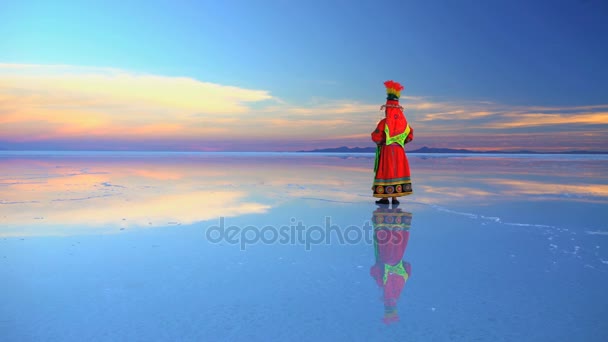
point(190, 247)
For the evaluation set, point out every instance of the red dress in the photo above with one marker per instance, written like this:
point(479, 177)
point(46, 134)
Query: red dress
point(392, 177)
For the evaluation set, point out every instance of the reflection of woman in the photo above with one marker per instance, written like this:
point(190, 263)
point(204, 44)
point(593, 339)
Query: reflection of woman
point(391, 235)
point(392, 170)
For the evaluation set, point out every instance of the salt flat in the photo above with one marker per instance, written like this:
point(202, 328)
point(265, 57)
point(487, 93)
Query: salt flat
point(102, 246)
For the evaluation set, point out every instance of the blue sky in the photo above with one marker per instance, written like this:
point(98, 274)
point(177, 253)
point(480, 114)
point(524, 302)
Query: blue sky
point(506, 53)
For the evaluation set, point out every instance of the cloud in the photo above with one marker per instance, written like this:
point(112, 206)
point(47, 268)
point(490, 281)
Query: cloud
point(460, 114)
point(490, 116)
point(530, 120)
point(42, 102)
point(111, 87)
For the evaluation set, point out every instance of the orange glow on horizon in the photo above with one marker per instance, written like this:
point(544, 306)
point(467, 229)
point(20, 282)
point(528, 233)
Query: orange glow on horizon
point(68, 103)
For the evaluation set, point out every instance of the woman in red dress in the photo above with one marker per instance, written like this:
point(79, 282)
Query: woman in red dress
point(392, 169)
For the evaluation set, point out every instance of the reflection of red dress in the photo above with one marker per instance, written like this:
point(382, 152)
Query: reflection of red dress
point(391, 235)
point(392, 178)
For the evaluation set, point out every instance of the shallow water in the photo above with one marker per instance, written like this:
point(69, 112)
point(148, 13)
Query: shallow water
point(238, 246)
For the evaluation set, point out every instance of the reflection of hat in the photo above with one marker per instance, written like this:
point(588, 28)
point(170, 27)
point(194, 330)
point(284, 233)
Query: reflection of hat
point(390, 315)
point(393, 90)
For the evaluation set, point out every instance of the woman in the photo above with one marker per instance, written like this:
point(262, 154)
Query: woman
point(392, 169)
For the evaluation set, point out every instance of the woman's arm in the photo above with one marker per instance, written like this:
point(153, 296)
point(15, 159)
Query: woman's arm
point(410, 136)
point(378, 135)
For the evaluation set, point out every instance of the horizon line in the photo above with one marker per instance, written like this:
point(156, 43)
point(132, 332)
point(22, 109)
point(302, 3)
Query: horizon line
point(315, 151)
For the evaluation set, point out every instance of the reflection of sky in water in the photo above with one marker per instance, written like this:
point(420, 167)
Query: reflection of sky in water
point(499, 249)
point(73, 194)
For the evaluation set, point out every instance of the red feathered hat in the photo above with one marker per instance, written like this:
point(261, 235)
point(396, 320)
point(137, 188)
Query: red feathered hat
point(393, 90)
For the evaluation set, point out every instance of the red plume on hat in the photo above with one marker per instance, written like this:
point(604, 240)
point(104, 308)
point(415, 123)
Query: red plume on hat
point(393, 90)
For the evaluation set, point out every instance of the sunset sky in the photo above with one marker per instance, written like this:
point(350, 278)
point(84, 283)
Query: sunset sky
point(270, 75)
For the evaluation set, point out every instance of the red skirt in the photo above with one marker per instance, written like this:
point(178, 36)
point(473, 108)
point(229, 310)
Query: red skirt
point(392, 178)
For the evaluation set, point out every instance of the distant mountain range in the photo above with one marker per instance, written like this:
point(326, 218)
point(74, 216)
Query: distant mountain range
point(425, 149)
